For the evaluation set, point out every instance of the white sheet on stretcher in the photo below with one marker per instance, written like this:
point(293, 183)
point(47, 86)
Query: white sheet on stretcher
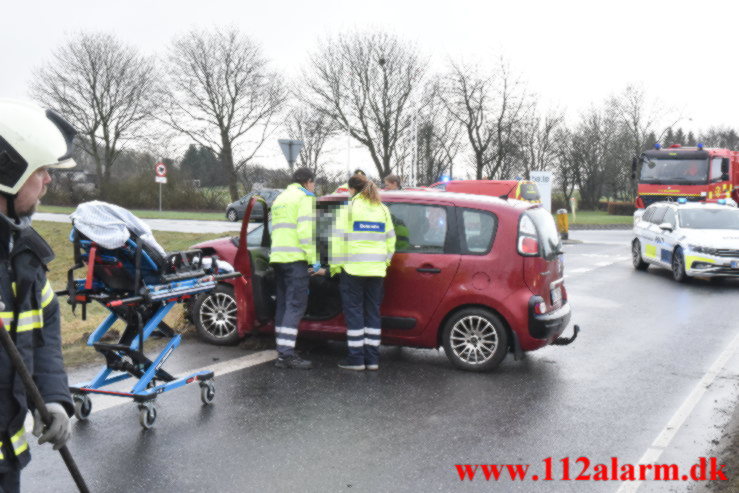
point(109, 225)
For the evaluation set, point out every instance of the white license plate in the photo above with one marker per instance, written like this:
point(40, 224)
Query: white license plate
point(556, 295)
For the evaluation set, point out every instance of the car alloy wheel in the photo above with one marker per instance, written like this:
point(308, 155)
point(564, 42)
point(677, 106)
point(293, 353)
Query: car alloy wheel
point(232, 216)
point(636, 258)
point(678, 266)
point(475, 339)
point(215, 316)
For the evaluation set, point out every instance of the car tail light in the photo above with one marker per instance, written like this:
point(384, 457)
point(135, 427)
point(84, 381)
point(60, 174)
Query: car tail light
point(528, 241)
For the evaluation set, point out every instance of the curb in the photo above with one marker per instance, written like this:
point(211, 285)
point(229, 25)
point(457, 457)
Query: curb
point(601, 226)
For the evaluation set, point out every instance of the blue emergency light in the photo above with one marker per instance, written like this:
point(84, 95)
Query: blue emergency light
point(682, 200)
point(445, 178)
point(658, 146)
point(721, 201)
point(700, 146)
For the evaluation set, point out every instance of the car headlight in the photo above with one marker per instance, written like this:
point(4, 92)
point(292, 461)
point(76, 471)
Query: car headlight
point(702, 249)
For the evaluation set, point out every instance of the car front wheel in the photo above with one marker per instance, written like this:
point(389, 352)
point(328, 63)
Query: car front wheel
point(475, 340)
point(214, 314)
point(636, 258)
point(678, 266)
point(232, 216)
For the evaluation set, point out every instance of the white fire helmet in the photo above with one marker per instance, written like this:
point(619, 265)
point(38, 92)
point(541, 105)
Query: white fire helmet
point(31, 138)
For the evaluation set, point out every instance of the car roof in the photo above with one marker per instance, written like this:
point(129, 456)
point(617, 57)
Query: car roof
point(693, 205)
point(459, 199)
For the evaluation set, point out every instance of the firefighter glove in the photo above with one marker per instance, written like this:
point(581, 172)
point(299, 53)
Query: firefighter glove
point(58, 431)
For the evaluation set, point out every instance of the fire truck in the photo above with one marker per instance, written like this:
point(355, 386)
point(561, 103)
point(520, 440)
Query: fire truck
point(699, 174)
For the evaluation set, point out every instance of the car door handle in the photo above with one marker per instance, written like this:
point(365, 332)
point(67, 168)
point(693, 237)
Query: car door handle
point(429, 270)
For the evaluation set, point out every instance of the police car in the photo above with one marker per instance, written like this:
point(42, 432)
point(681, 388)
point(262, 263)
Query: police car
point(691, 239)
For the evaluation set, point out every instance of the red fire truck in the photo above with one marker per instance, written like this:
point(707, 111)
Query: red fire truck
point(699, 174)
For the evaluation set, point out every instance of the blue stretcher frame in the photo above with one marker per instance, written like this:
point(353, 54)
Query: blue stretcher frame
point(140, 391)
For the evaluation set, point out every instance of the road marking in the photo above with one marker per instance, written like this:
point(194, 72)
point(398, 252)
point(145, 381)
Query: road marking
point(583, 270)
point(103, 402)
point(660, 443)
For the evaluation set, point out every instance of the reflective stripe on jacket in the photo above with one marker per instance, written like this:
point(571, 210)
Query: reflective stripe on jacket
point(25, 291)
point(363, 239)
point(294, 226)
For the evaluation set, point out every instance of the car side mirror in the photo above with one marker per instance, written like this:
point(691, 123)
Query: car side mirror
point(666, 227)
point(725, 169)
point(634, 163)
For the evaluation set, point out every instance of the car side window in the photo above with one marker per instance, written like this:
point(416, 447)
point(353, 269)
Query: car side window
point(670, 217)
point(419, 228)
point(658, 215)
point(648, 214)
point(478, 231)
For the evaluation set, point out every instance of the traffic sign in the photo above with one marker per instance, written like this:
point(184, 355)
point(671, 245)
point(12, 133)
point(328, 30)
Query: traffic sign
point(160, 179)
point(291, 149)
point(161, 169)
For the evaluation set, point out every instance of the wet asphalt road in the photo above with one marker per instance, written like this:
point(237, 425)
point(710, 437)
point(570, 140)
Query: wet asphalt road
point(646, 342)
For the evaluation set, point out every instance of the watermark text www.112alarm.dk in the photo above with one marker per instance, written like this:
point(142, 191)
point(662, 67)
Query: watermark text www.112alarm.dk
point(583, 469)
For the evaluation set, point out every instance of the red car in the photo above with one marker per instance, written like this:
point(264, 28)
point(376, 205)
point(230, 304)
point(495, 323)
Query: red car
point(479, 276)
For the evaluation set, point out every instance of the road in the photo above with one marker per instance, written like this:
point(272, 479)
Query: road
point(176, 225)
point(654, 374)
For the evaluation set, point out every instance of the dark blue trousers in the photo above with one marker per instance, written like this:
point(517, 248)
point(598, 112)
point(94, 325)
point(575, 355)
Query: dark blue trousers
point(361, 298)
point(10, 481)
point(292, 300)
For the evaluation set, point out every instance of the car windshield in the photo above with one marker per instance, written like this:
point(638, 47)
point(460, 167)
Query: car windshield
point(709, 218)
point(664, 171)
point(547, 230)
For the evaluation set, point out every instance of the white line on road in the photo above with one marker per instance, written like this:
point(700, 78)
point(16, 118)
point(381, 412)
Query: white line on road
point(660, 443)
point(583, 270)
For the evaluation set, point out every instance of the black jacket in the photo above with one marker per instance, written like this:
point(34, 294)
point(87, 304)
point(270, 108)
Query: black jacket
point(31, 315)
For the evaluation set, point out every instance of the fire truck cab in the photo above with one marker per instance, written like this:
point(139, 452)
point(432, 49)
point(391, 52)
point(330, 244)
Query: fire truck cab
point(699, 174)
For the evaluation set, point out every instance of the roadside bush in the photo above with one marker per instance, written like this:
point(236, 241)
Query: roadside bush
point(621, 208)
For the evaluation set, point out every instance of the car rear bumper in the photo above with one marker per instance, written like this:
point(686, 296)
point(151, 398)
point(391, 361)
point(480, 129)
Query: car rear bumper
point(549, 325)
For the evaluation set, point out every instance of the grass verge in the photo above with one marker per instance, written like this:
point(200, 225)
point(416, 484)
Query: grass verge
point(75, 330)
point(599, 217)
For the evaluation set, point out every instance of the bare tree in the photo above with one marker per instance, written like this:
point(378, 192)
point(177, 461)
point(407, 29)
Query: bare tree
point(221, 94)
point(439, 137)
point(314, 129)
point(539, 143)
point(105, 89)
point(365, 82)
point(725, 137)
point(491, 109)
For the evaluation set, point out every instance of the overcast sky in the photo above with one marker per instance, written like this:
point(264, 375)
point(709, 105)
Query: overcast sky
point(571, 53)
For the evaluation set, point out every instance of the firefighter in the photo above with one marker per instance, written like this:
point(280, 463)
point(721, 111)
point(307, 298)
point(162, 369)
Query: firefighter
point(31, 141)
point(345, 186)
point(362, 246)
point(392, 182)
point(294, 258)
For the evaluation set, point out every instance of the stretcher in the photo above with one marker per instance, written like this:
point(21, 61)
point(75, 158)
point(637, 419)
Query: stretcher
point(139, 286)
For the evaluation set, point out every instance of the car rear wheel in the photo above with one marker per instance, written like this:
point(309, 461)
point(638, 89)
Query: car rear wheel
point(678, 266)
point(475, 340)
point(636, 258)
point(214, 314)
point(232, 216)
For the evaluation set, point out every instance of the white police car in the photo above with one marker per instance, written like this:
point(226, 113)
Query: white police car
point(691, 239)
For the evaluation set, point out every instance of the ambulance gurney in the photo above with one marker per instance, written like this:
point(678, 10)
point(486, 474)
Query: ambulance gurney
point(129, 273)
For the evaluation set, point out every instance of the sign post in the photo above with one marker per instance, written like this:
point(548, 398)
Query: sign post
point(160, 176)
point(291, 150)
point(543, 180)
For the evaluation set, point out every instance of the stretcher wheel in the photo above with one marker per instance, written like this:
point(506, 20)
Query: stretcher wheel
point(82, 406)
point(147, 416)
point(207, 392)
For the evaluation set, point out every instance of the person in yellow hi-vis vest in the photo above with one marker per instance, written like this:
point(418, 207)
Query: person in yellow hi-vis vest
point(293, 256)
point(362, 246)
point(32, 140)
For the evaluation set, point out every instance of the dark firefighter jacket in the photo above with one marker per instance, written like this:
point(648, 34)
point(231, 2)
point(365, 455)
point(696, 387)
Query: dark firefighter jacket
point(31, 315)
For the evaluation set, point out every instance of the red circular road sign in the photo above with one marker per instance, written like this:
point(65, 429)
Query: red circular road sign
point(161, 169)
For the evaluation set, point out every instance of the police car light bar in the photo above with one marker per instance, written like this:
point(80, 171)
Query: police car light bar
point(682, 200)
